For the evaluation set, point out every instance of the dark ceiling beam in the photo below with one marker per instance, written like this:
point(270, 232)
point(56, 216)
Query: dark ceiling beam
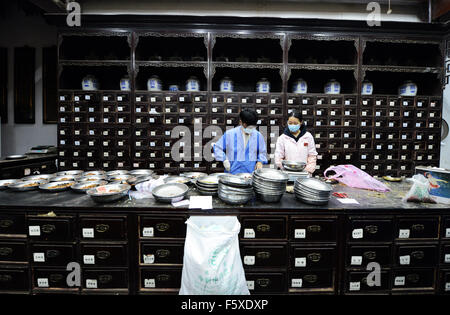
point(50, 6)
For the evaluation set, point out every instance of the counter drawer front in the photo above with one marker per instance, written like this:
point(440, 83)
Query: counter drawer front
point(357, 282)
point(417, 228)
point(14, 279)
point(103, 228)
point(314, 279)
point(266, 282)
point(263, 228)
point(313, 230)
point(103, 255)
point(13, 252)
point(361, 256)
point(52, 255)
point(105, 279)
point(370, 230)
point(160, 278)
point(307, 257)
point(445, 282)
point(12, 224)
point(416, 256)
point(58, 229)
point(152, 253)
point(170, 227)
point(264, 255)
point(413, 278)
point(50, 278)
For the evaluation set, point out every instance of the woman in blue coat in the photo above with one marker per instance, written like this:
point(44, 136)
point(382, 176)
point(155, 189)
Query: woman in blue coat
point(242, 149)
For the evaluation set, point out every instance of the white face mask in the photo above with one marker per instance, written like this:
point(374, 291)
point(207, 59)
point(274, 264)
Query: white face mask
point(249, 129)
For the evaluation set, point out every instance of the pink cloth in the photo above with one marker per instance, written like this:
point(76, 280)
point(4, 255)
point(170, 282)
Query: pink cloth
point(304, 150)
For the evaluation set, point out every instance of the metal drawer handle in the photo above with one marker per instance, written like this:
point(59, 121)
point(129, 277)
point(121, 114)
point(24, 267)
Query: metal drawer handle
point(314, 257)
point(263, 228)
point(103, 254)
point(6, 223)
point(105, 279)
point(52, 253)
point(56, 277)
point(370, 255)
point(371, 229)
point(5, 251)
point(5, 278)
point(162, 253)
point(263, 283)
point(310, 278)
point(314, 228)
point(102, 228)
point(263, 255)
point(162, 227)
point(418, 227)
point(414, 278)
point(418, 254)
point(163, 278)
point(48, 228)
point(364, 280)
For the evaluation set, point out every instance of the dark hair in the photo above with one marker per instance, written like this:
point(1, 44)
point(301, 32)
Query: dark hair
point(248, 117)
point(297, 114)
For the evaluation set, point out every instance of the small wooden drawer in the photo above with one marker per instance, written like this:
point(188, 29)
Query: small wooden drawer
point(14, 279)
point(50, 229)
point(12, 225)
point(233, 121)
point(262, 99)
point(416, 256)
point(155, 98)
point(162, 227)
point(312, 279)
point(96, 228)
point(266, 282)
point(52, 255)
point(405, 279)
point(263, 255)
point(356, 282)
point(417, 228)
point(103, 255)
point(369, 230)
point(306, 258)
point(160, 278)
point(264, 228)
point(105, 279)
point(361, 256)
point(50, 278)
point(13, 252)
point(157, 253)
point(313, 230)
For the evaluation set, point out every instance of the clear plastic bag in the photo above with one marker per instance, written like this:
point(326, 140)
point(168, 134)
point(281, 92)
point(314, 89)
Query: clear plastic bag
point(354, 177)
point(420, 190)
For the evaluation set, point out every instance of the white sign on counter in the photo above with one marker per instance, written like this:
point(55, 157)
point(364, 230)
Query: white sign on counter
point(249, 233)
point(300, 262)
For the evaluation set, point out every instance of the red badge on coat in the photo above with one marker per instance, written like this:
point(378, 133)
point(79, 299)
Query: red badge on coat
point(305, 144)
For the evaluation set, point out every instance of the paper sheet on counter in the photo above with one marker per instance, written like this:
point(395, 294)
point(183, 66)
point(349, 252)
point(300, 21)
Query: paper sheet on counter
point(348, 201)
point(200, 202)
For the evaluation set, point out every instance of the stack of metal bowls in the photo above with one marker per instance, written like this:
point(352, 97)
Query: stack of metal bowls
point(312, 191)
point(207, 185)
point(235, 190)
point(269, 184)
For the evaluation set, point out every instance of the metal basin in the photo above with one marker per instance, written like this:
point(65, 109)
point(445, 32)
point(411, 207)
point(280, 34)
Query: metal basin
point(65, 178)
point(6, 182)
point(140, 172)
point(109, 193)
point(83, 187)
point(171, 192)
point(293, 166)
point(56, 186)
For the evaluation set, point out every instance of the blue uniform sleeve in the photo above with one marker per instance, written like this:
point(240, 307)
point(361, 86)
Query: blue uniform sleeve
point(219, 149)
point(262, 151)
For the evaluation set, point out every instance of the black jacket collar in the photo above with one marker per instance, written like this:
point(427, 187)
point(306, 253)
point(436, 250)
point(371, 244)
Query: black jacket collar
point(289, 134)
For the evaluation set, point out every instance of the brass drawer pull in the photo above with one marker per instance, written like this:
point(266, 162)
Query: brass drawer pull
point(56, 277)
point(105, 279)
point(52, 253)
point(6, 223)
point(364, 280)
point(414, 278)
point(263, 283)
point(371, 229)
point(370, 255)
point(102, 228)
point(48, 228)
point(310, 278)
point(163, 278)
point(5, 251)
point(314, 257)
point(314, 228)
point(103, 254)
point(162, 227)
point(263, 255)
point(418, 227)
point(162, 253)
point(418, 254)
point(263, 228)
point(5, 278)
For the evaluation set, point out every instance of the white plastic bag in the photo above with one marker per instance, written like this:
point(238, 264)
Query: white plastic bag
point(420, 190)
point(212, 262)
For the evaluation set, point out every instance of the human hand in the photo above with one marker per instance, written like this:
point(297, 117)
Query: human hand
point(258, 165)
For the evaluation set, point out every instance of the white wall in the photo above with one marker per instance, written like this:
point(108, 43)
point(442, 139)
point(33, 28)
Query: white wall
point(18, 30)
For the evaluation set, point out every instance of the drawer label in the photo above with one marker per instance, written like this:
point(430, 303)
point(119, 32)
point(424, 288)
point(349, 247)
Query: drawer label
point(149, 259)
point(38, 257)
point(34, 230)
point(355, 286)
point(403, 233)
point(447, 258)
point(249, 260)
point(357, 233)
point(297, 283)
point(91, 283)
point(447, 286)
point(89, 259)
point(405, 260)
point(251, 285)
point(149, 283)
point(258, 101)
point(152, 99)
point(244, 101)
point(148, 231)
point(88, 233)
point(399, 281)
point(300, 233)
point(356, 261)
point(249, 233)
point(447, 232)
point(42, 282)
point(300, 262)
point(197, 99)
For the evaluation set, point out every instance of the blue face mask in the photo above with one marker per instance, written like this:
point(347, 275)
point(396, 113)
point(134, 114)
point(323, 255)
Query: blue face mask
point(248, 130)
point(294, 128)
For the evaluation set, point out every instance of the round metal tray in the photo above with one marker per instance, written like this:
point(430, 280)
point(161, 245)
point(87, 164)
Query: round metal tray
point(104, 197)
point(234, 181)
point(53, 186)
point(15, 157)
point(79, 187)
point(20, 186)
point(64, 178)
point(4, 183)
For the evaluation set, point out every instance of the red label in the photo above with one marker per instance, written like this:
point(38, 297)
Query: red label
point(305, 144)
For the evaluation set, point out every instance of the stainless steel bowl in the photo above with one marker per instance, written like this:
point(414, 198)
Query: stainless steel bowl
point(6, 182)
point(83, 187)
point(93, 178)
point(269, 198)
point(24, 185)
point(140, 179)
point(234, 199)
point(314, 184)
point(270, 175)
point(117, 172)
point(64, 178)
point(15, 157)
point(93, 173)
point(208, 181)
point(46, 177)
point(140, 172)
point(122, 179)
point(170, 192)
point(176, 180)
point(70, 172)
point(293, 166)
point(193, 175)
point(56, 186)
point(109, 193)
point(234, 181)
